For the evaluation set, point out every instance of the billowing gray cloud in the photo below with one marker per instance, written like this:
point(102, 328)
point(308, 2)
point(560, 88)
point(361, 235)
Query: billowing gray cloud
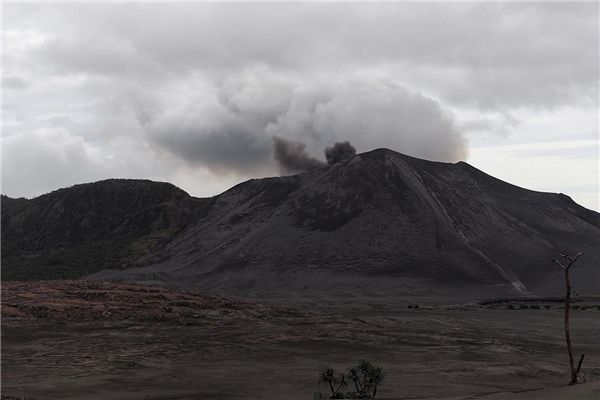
point(339, 152)
point(205, 87)
point(371, 114)
point(292, 158)
point(228, 127)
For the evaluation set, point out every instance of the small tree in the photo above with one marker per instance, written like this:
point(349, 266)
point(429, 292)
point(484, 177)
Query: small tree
point(574, 371)
point(377, 376)
point(354, 376)
point(366, 377)
point(327, 376)
point(342, 383)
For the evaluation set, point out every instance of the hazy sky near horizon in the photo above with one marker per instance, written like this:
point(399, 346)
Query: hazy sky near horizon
point(192, 93)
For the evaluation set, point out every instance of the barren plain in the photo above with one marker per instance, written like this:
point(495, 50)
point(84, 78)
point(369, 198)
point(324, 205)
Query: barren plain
point(99, 340)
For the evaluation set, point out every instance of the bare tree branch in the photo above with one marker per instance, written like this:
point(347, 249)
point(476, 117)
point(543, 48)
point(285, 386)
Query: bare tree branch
point(580, 362)
point(565, 256)
point(558, 262)
point(575, 259)
point(571, 260)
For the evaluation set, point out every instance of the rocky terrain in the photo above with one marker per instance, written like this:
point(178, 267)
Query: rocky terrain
point(89, 301)
point(99, 340)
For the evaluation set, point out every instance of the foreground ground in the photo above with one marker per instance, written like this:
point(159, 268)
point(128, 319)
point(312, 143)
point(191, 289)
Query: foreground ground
point(96, 340)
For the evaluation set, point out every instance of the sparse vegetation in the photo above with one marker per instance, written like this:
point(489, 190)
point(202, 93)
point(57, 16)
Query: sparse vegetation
point(587, 302)
point(328, 376)
point(79, 230)
point(365, 376)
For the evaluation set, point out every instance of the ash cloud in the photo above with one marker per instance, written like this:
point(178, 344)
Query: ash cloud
point(370, 113)
point(228, 127)
point(292, 157)
point(339, 152)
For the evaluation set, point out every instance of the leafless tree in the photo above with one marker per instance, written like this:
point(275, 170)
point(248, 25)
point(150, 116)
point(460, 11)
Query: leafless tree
point(574, 371)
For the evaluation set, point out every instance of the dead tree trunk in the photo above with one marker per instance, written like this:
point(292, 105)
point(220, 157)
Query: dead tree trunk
point(574, 371)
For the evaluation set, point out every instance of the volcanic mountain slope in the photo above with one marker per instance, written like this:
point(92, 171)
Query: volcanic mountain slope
point(75, 231)
point(376, 224)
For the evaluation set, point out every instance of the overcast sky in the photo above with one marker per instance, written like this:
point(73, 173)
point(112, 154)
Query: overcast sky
point(192, 93)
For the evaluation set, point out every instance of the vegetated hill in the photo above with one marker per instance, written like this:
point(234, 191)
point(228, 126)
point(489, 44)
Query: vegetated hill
point(380, 224)
point(79, 230)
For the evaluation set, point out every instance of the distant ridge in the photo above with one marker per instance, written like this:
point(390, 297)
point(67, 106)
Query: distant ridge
point(75, 231)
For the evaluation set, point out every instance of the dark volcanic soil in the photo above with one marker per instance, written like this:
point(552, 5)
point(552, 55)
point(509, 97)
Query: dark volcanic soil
point(90, 301)
point(97, 340)
point(377, 218)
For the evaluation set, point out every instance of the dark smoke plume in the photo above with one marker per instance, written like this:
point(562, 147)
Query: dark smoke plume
point(293, 157)
point(338, 152)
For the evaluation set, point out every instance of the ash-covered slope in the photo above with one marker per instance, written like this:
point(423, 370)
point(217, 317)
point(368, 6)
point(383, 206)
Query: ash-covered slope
point(380, 223)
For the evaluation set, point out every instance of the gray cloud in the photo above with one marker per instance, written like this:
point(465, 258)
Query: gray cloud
point(14, 82)
point(231, 147)
point(292, 157)
point(205, 87)
point(496, 55)
point(49, 158)
point(228, 126)
point(371, 113)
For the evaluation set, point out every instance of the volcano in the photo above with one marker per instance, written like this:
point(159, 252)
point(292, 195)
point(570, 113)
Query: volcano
point(378, 224)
